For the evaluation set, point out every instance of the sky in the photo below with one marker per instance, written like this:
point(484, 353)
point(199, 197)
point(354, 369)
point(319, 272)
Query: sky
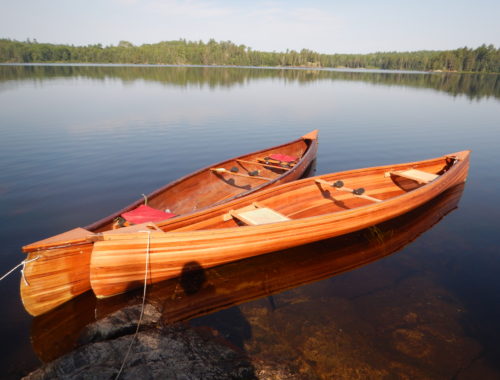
point(359, 26)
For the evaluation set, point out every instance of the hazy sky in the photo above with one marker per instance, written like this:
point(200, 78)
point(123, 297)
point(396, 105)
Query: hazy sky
point(333, 26)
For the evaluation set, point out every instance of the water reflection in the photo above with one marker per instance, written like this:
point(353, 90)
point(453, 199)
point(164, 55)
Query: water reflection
point(199, 292)
point(474, 86)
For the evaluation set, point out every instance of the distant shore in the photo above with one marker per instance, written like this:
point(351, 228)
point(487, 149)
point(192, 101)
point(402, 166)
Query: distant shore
point(334, 69)
point(484, 59)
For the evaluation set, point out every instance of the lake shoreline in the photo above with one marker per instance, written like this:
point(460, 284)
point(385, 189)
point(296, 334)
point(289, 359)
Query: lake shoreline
point(308, 68)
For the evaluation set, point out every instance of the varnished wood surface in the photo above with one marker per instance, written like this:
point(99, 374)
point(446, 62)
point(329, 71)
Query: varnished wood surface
point(62, 269)
point(198, 292)
point(316, 211)
point(58, 275)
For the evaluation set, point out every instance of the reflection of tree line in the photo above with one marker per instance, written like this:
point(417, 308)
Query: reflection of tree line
point(474, 86)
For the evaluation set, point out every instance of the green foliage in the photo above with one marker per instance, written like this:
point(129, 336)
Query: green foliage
point(482, 59)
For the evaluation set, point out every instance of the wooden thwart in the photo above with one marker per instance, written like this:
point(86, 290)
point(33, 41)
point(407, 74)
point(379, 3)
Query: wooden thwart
point(263, 164)
point(276, 163)
point(415, 175)
point(223, 170)
point(348, 190)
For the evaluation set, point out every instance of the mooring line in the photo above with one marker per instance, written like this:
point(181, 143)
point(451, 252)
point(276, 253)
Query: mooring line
point(142, 307)
point(23, 264)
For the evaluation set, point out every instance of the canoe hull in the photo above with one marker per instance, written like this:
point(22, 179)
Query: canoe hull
point(62, 270)
point(119, 263)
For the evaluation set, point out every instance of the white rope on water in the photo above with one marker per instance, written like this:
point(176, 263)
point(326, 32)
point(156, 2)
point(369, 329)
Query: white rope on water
point(23, 264)
point(142, 307)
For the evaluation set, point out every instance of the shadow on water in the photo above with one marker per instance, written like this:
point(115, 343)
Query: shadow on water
point(474, 86)
point(193, 279)
point(209, 298)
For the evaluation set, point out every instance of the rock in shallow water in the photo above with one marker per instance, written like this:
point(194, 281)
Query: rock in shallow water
point(158, 352)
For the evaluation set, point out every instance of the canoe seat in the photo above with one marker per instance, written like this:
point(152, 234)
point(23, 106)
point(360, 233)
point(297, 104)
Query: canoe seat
point(257, 216)
point(415, 175)
point(143, 214)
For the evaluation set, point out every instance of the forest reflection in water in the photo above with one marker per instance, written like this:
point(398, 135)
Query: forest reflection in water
point(474, 86)
point(199, 293)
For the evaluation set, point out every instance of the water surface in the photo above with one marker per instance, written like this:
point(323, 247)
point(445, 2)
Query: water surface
point(78, 142)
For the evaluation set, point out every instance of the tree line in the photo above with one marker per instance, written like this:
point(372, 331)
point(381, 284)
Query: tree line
point(484, 59)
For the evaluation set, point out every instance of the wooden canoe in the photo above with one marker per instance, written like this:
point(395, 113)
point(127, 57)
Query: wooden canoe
point(61, 267)
point(198, 293)
point(289, 215)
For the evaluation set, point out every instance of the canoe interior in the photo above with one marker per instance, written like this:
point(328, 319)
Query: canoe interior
point(306, 198)
point(206, 188)
point(189, 196)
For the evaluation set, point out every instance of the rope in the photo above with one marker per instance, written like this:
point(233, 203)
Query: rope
point(23, 263)
point(142, 307)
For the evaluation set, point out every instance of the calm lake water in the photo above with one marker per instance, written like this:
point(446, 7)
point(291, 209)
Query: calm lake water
point(78, 142)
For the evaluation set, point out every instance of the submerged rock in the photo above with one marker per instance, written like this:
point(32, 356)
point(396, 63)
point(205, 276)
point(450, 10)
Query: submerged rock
point(158, 352)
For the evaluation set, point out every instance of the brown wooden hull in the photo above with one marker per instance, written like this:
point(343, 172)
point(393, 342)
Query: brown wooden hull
point(316, 212)
point(61, 271)
point(199, 292)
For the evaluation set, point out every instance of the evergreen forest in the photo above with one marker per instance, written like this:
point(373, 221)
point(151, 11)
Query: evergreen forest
point(483, 59)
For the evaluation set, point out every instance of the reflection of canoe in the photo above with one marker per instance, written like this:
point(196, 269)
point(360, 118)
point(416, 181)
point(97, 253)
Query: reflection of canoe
point(286, 216)
point(62, 269)
point(198, 293)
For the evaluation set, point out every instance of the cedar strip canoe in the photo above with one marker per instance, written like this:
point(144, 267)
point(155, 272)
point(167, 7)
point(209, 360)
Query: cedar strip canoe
point(61, 271)
point(199, 292)
point(289, 215)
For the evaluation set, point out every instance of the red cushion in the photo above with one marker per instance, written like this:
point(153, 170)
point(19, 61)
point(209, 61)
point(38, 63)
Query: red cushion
point(143, 214)
point(283, 157)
